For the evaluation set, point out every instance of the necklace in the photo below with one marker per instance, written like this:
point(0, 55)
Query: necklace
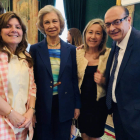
point(54, 44)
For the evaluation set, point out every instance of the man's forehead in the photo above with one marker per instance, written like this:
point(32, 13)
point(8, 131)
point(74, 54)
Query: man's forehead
point(113, 14)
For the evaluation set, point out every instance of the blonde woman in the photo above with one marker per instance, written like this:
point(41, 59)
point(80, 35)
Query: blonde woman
point(91, 63)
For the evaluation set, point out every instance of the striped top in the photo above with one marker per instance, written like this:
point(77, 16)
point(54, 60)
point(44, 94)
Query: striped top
point(55, 66)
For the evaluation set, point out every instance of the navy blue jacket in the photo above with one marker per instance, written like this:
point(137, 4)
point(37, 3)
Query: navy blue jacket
point(128, 84)
point(68, 91)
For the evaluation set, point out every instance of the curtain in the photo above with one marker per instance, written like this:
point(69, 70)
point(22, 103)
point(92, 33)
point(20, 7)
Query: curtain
point(75, 13)
point(41, 4)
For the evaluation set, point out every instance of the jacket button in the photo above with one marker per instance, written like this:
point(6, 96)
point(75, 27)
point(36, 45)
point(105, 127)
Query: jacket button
point(51, 82)
point(65, 92)
point(50, 86)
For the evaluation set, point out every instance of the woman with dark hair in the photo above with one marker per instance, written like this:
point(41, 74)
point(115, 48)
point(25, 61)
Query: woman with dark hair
point(17, 87)
point(74, 37)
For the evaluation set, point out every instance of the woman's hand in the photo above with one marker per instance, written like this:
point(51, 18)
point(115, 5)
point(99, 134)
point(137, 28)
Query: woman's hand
point(76, 113)
point(28, 115)
point(34, 121)
point(16, 119)
point(98, 78)
point(80, 47)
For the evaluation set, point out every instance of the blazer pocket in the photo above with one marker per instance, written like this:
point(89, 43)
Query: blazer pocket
point(137, 106)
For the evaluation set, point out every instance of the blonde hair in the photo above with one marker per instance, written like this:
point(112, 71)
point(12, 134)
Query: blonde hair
point(45, 10)
point(102, 46)
point(76, 36)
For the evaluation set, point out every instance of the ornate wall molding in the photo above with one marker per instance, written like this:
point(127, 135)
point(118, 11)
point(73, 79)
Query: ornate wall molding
point(131, 9)
point(28, 11)
point(6, 4)
point(129, 2)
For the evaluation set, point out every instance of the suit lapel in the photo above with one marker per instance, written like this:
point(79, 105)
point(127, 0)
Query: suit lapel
point(109, 62)
point(44, 54)
point(126, 56)
point(4, 72)
point(65, 51)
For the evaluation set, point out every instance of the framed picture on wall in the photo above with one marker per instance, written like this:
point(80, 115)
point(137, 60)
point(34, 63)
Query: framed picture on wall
point(131, 9)
point(129, 2)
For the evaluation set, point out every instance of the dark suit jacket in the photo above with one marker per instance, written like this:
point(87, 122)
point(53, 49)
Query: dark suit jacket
point(128, 84)
point(68, 92)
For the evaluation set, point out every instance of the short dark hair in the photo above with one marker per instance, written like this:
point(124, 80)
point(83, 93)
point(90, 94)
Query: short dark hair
point(1, 9)
point(126, 11)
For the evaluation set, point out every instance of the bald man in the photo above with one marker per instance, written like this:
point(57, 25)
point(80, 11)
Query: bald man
point(123, 74)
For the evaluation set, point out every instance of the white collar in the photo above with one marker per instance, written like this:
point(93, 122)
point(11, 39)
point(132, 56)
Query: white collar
point(123, 43)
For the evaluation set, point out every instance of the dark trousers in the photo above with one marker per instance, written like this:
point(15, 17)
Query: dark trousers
point(120, 131)
point(56, 130)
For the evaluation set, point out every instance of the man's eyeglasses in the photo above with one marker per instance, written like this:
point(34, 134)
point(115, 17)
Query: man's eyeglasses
point(115, 22)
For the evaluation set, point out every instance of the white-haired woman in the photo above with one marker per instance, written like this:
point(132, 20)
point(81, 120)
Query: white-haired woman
point(58, 98)
point(91, 62)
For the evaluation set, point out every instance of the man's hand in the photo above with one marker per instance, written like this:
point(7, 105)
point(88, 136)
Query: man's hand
point(80, 47)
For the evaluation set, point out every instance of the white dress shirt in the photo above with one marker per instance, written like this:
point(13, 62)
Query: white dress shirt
point(122, 45)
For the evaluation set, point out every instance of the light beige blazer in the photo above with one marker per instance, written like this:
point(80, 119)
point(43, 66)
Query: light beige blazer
point(82, 63)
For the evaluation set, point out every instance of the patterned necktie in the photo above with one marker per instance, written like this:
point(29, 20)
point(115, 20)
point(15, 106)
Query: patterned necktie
point(109, 89)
